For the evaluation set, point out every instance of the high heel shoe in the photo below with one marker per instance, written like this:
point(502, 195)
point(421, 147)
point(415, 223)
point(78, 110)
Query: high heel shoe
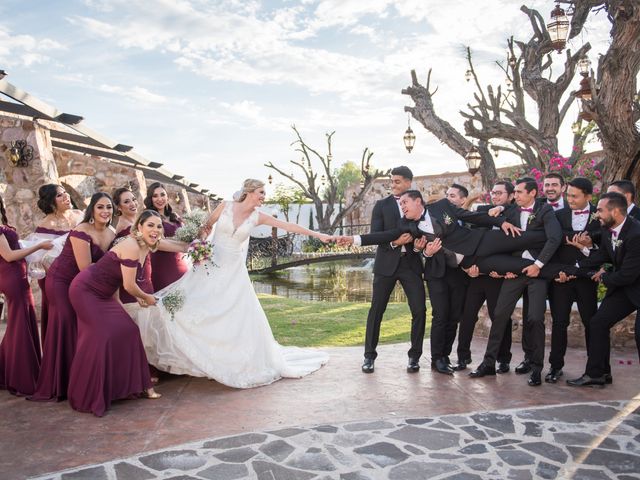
point(151, 394)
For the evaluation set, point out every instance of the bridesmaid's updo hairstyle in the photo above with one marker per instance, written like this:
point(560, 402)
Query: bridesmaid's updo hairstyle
point(116, 199)
point(135, 232)
point(47, 198)
point(248, 186)
point(168, 211)
point(88, 213)
point(3, 213)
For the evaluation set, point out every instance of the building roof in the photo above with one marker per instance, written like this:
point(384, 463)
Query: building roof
point(69, 132)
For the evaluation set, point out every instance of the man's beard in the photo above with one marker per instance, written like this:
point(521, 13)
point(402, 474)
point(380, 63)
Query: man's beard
point(607, 222)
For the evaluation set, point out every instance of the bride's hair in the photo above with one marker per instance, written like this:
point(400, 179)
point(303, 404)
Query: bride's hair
point(248, 186)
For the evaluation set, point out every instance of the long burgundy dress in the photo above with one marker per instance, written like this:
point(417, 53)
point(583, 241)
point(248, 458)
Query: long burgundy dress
point(167, 267)
point(44, 304)
point(20, 347)
point(62, 331)
point(143, 276)
point(110, 362)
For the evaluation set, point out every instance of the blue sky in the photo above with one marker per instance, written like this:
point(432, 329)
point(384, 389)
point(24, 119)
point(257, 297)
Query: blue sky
point(211, 88)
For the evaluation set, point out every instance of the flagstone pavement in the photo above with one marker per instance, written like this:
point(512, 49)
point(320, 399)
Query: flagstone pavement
point(341, 424)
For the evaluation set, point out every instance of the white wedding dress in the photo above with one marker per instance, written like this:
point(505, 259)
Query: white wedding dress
point(221, 331)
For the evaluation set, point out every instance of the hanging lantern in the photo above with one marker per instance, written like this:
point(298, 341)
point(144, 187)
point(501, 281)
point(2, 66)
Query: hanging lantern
point(558, 28)
point(513, 61)
point(323, 180)
point(468, 75)
point(270, 179)
point(409, 137)
point(473, 159)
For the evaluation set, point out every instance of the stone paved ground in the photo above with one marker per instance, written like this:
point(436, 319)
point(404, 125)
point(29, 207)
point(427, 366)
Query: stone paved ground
point(39, 438)
point(585, 441)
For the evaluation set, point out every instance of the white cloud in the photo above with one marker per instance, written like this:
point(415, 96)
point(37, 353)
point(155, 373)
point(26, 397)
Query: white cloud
point(138, 94)
point(25, 50)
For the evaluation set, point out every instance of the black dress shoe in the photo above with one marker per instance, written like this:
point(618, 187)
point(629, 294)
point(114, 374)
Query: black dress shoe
point(503, 367)
point(524, 367)
point(462, 364)
point(367, 366)
point(553, 376)
point(586, 381)
point(608, 379)
point(413, 366)
point(482, 371)
point(535, 379)
point(441, 366)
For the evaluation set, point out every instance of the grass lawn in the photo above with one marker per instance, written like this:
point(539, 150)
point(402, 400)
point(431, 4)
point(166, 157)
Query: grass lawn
point(311, 324)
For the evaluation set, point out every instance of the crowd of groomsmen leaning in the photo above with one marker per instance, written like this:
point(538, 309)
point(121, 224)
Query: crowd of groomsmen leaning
point(555, 245)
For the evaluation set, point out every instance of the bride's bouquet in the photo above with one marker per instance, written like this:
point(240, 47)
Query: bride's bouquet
point(200, 252)
point(192, 224)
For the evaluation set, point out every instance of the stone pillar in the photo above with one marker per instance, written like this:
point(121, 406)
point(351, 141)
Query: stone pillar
point(19, 185)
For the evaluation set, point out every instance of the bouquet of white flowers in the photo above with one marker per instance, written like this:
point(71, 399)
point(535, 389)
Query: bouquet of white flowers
point(191, 225)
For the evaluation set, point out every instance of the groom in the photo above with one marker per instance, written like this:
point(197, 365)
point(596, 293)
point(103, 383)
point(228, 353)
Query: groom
point(395, 262)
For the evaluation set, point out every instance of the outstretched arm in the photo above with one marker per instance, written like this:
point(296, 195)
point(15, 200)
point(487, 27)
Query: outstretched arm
point(213, 218)
point(264, 219)
point(12, 255)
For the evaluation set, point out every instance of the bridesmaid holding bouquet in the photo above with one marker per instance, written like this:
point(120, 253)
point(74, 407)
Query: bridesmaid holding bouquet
point(110, 362)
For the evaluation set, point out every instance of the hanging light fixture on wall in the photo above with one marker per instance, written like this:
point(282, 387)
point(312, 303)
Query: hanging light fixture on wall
point(20, 154)
point(473, 159)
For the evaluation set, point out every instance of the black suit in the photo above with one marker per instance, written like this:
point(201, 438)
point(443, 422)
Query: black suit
point(392, 266)
point(623, 290)
point(543, 219)
point(634, 212)
point(583, 291)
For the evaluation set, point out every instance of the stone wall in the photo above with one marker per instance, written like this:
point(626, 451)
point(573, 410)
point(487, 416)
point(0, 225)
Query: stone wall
point(19, 185)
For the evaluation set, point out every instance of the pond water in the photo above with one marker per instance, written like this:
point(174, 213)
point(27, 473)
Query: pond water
point(346, 280)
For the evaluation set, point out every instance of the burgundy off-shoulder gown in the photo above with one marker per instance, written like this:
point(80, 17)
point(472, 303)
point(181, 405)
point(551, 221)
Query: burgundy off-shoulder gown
point(44, 304)
point(167, 267)
point(20, 347)
point(60, 343)
point(143, 276)
point(110, 362)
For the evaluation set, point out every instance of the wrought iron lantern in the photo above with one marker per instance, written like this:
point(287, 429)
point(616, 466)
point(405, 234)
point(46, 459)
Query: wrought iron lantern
point(20, 154)
point(409, 137)
point(468, 75)
point(558, 28)
point(473, 159)
point(270, 179)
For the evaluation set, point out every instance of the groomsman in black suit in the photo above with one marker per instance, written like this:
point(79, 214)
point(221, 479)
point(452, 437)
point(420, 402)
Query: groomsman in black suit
point(553, 189)
point(484, 287)
point(530, 216)
point(620, 246)
point(628, 189)
point(445, 241)
point(576, 221)
point(395, 262)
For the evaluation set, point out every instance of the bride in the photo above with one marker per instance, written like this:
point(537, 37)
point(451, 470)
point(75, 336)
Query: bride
point(221, 331)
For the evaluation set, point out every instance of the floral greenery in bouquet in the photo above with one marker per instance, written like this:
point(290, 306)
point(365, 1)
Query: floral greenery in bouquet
point(200, 252)
point(192, 224)
point(173, 302)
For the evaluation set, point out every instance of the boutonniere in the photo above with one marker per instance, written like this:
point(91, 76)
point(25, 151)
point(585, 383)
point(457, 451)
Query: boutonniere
point(593, 217)
point(616, 243)
point(531, 218)
point(447, 219)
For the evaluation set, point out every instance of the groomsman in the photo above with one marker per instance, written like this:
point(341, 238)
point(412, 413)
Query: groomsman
point(628, 189)
point(576, 221)
point(445, 242)
point(530, 215)
point(395, 262)
point(553, 189)
point(483, 288)
point(620, 246)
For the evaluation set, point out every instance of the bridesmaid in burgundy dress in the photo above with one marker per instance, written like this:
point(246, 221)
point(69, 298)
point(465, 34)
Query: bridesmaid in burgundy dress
point(166, 267)
point(110, 362)
point(20, 347)
point(85, 245)
point(60, 217)
point(126, 209)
